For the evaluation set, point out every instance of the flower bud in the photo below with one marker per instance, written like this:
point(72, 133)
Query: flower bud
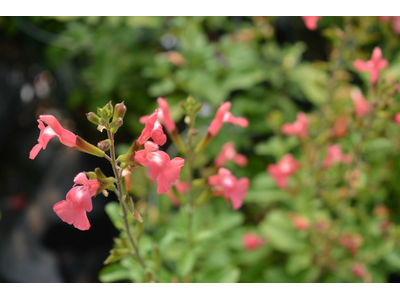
point(119, 112)
point(93, 118)
point(103, 121)
point(116, 124)
point(84, 146)
point(104, 145)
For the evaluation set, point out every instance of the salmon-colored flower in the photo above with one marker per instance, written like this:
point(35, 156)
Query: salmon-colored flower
point(53, 129)
point(299, 223)
point(311, 22)
point(362, 107)
point(224, 116)
point(252, 241)
point(126, 173)
point(141, 155)
point(282, 170)
point(227, 185)
point(352, 242)
point(163, 116)
point(299, 127)
point(154, 130)
point(373, 66)
point(335, 155)
point(79, 201)
point(358, 270)
point(166, 171)
point(228, 152)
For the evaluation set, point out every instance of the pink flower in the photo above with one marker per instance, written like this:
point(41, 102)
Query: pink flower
point(397, 118)
point(224, 116)
point(252, 241)
point(311, 22)
point(299, 223)
point(141, 155)
point(373, 66)
point(228, 152)
point(166, 171)
point(395, 23)
point(182, 187)
point(53, 129)
point(163, 116)
point(362, 107)
point(73, 210)
point(153, 129)
point(335, 155)
point(281, 171)
point(358, 270)
point(231, 188)
point(299, 127)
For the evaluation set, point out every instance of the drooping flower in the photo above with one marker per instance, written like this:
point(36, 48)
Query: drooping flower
point(182, 187)
point(299, 127)
point(79, 201)
point(373, 66)
point(227, 185)
point(311, 22)
point(335, 155)
point(166, 171)
point(362, 107)
point(252, 241)
point(395, 23)
point(65, 136)
point(223, 115)
point(228, 152)
point(283, 169)
point(53, 129)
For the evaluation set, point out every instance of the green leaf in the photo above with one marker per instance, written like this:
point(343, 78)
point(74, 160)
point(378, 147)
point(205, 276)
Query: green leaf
point(298, 262)
point(114, 272)
point(113, 210)
point(186, 264)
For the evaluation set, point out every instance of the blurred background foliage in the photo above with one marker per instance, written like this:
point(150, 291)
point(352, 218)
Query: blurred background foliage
point(269, 68)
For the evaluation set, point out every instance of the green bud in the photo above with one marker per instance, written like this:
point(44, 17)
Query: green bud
point(104, 145)
point(119, 112)
point(93, 118)
point(103, 121)
point(116, 255)
point(116, 124)
point(109, 108)
point(197, 108)
point(99, 173)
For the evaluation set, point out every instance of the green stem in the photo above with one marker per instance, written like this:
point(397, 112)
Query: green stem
point(189, 164)
point(120, 194)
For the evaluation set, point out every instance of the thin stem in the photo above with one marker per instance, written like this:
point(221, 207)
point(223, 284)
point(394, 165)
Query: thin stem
point(120, 196)
point(189, 164)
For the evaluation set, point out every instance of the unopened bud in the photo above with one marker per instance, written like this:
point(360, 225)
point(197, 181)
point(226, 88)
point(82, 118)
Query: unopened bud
point(103, 121)
point(116, 124)
point(194, 131)
point(105, 193)
point(104, 145)
point(93, 118)
point(109, 107)
point(138, 216)
point(119, 112)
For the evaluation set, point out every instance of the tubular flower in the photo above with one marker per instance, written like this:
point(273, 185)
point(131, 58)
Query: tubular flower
point(299, 127)
point(227, 185)
point(224, 116)
point(335, 155)
point(228, 152)
point(65, 136)
point(299, 223)
point(373, 66)
point(166, 171)
point(141, 155)
point(153, 129)
point(252, 241)
point(73, 210)
point(163, 116)
point(126, 173)
point(281, 171)
point(311, 22)
point(362, 107)
point(53, 129)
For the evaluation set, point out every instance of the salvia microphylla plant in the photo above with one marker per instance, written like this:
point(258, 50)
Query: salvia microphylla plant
point(144, 152)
